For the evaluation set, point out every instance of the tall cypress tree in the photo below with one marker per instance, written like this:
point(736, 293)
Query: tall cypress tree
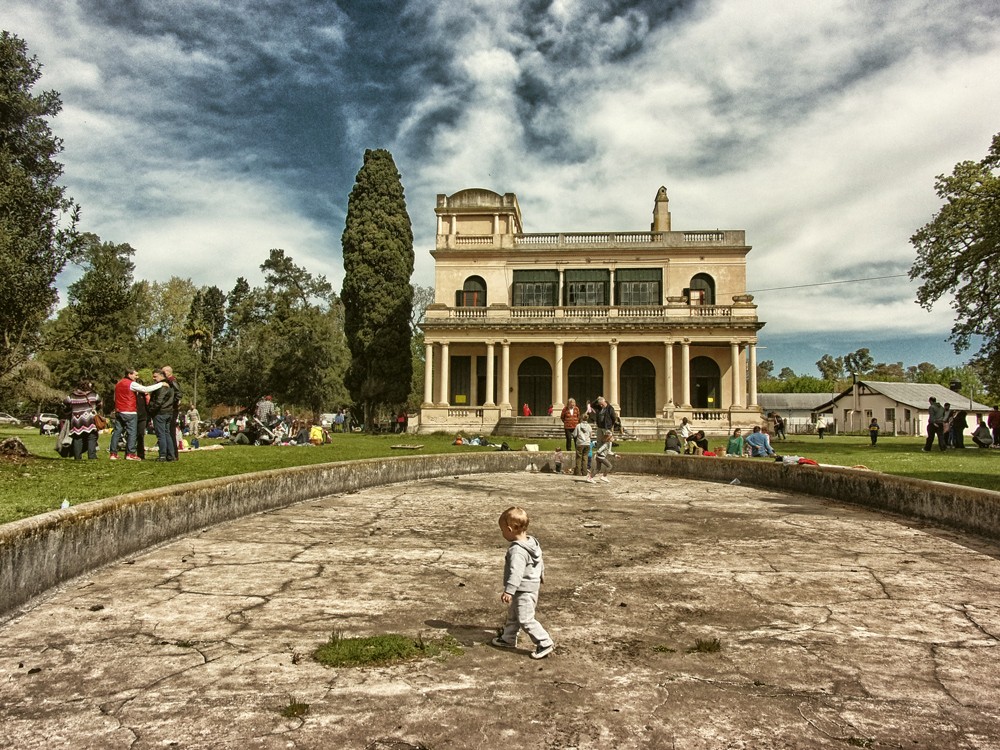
point(377, 296)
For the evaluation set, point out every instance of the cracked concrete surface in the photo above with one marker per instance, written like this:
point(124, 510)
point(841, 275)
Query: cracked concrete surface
point(839, 627)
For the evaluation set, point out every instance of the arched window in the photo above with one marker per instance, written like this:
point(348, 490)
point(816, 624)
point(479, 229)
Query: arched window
point(534, 385)
point(638, 388)
point(586, 380)
point(702, 290)
point(472, 293)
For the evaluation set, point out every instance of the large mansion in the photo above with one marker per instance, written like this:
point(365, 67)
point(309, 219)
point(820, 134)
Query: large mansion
point(657, 322)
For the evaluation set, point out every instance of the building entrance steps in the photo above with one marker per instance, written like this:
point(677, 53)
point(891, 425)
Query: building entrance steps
point(835, 626)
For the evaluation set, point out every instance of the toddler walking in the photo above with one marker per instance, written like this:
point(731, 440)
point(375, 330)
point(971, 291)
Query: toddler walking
point(523, 572)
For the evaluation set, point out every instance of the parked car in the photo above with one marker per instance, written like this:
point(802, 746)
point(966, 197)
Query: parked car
point(7, 419)
point(48, 424)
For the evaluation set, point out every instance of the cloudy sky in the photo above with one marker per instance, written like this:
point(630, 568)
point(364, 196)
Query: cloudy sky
point(204, 133)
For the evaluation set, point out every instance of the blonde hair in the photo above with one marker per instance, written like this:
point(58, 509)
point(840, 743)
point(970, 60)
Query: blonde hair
point(516, 518)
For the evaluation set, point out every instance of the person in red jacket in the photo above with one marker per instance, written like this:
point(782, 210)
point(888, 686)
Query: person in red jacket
point(570, 417)
point(126, 415)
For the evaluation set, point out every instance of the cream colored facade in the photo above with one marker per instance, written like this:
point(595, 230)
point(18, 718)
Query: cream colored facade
point(657, 321)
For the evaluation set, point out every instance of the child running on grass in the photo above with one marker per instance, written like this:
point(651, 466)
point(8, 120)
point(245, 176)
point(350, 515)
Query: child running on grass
point(523, 573)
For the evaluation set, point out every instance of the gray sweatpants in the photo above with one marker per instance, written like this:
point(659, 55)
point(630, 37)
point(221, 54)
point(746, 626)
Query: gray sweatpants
point(521, 614)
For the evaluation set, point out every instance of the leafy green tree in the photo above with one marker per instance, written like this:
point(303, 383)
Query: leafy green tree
point(796, 384)
point(765, 370)
point(423, 296)
point(28, 388)
point(95, 336)
point(830, 368)
point(787, 373)
point(377, 296)
point(859, 362)
point(310, 353)
point(888, 372)
point(958, 253)
point(37, 220)
point(925, 372)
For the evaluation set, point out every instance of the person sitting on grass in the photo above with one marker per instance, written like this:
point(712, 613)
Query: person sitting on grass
point(699, 443)
point(672, 444)
point(760, 444)
point(735, 445)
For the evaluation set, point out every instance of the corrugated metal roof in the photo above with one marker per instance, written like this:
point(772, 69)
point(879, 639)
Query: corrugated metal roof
point(791, 401)
point(915, 395)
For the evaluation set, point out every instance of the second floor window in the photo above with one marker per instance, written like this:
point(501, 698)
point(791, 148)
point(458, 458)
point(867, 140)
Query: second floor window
point(633, 293)
point(534, 294)
point(586, 287)
point(636, 287)
point(535, 289)
point(586, 293)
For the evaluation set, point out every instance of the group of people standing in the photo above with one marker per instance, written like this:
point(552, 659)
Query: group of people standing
point(135, 405)
point(948, 426)
point(592, 449)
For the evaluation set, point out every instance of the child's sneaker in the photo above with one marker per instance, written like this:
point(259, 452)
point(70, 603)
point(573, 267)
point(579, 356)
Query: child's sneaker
point(542, 651)
point(591, 480)
point(113, 456)
point(604, 479)
point(501, 643)
point(131, 457)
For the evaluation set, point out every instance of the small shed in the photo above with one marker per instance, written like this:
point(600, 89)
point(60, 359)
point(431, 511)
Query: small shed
point(799, 410)
point(901, 408)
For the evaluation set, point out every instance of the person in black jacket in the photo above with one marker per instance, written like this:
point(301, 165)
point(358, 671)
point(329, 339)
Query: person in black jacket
point(161, 409)
point(606, 418)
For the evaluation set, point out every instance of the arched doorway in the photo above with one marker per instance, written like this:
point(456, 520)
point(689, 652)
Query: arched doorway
point(638, 388)
point(586, 381)
point(534, 386)
point(706, 384)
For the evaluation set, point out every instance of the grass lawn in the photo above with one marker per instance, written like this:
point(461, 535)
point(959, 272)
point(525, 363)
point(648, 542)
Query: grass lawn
point(42, 482)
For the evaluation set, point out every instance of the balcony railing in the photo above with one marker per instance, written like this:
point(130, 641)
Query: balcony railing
point(497, 314)
point(574, 240)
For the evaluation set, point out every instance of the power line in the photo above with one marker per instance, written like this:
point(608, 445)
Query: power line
point(828, 283)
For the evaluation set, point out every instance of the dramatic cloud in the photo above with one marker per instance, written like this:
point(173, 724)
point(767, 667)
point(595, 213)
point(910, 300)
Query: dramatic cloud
point(205, 133)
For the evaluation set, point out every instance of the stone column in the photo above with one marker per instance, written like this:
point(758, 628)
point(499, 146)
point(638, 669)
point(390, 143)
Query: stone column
point(557, 390)
point(445, 363)
point(504, 376)
point(734, 357)
point(752, 366)
point(489, 374)
point(668, 369)
point(685, 375)
point(613, 364)
point(428, 374)
point(473, 382)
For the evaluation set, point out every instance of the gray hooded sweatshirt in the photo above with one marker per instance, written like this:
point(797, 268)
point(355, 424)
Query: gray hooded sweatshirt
point(523, 568)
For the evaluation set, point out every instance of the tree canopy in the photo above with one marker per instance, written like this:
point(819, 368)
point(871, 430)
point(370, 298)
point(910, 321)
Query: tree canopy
point(377, 296)
point(37, 219)
point(958, 254)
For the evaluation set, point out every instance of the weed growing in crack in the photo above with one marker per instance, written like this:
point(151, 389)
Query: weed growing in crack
point(294, 709)
point(661, 649)
point(706, 646)
point(379, 650)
